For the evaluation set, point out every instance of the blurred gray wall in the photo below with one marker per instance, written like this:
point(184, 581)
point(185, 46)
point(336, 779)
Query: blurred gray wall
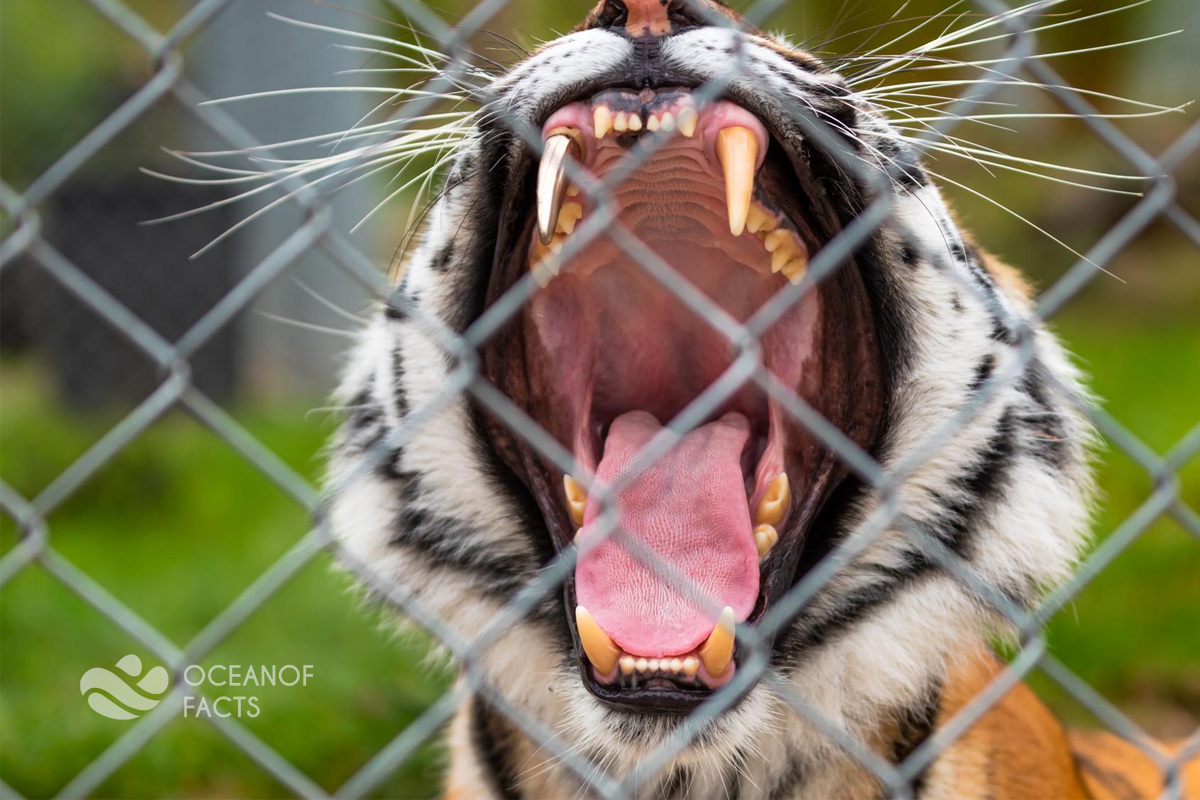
point(243, 50)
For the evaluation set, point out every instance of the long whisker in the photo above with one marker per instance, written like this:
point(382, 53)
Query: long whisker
point(310, 326)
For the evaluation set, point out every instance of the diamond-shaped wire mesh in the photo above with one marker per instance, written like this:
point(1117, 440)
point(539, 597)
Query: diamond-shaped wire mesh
point(177, 388)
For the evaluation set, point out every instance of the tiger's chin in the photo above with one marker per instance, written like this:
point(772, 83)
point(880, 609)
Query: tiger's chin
point(678, 317)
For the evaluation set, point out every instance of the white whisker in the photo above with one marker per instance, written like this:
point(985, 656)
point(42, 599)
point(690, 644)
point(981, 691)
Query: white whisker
point(330, 89)
point(325, 301)
point(296, 323)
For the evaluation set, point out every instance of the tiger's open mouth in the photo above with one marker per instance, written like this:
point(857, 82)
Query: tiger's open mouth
point(605, 355)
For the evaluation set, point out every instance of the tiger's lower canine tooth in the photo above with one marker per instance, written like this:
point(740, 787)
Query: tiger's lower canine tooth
point(774, 503)
point(737, 150)
point(599, 648)
point(717, 652)
point(552, 177)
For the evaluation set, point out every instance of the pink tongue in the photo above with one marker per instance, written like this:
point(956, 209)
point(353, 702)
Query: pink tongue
point(690, 508)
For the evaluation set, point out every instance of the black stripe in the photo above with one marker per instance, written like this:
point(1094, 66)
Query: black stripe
point(810, 633)
point(980, 487)
point(791, 780)
point(674, 784)
point(401, 400)
point(1048, 440)
point(983, 372)
point(492, 738)
point(915, 726)
point(447, 543)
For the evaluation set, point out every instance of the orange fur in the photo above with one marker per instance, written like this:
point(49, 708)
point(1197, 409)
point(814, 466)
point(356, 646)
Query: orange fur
point(1017, 749)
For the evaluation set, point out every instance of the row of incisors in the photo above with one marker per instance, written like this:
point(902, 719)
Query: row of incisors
point(716, 654)
point(604, 120)
point(679, 666)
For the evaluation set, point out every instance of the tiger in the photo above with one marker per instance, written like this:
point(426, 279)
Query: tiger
point(765, 451)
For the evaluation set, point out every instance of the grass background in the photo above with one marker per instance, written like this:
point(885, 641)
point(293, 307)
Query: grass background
point(178, 525)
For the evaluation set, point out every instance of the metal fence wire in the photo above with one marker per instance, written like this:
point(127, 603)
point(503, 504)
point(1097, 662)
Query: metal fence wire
point(175, 388)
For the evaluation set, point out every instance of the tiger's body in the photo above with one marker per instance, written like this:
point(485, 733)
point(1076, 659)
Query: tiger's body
point(430, 489)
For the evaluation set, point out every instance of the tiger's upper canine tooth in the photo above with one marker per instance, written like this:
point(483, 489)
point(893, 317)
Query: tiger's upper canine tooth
point(552, 177)
point(774, 503)
point(737, 150)
point(576, 499)
point(597, 645)
point(717, 652)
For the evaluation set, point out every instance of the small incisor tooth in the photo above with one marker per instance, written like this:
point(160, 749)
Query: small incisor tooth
point(641, 665)
point(627, 664)
point(602, 121)
point(568, 216)
point(668, 121)
point(676, 665)
point(599, 648)
point(621, 122)
point(688, 117)
point(765, 537)
point(691, 665)
point(759, 219)
point(635, 121)
point(737, 150)
point(774, 503)
point(652, 123)
point(576, 499)
point(717, 652)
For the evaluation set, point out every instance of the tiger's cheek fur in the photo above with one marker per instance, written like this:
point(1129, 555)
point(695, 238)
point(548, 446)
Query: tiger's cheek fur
point(420, 498)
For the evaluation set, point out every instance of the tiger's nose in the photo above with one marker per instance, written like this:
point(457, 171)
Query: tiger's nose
point(646, 17)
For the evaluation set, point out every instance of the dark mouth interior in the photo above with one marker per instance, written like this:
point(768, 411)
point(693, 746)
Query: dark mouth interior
point(604, 355)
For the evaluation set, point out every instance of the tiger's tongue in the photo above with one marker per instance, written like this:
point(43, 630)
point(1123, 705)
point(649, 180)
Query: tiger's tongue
point(690, 509)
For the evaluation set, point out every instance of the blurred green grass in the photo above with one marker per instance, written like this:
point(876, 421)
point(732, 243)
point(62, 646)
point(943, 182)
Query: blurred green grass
point(179, 524)
point(176, 527)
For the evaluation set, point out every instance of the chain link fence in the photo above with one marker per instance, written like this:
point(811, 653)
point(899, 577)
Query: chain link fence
point(175, 387)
